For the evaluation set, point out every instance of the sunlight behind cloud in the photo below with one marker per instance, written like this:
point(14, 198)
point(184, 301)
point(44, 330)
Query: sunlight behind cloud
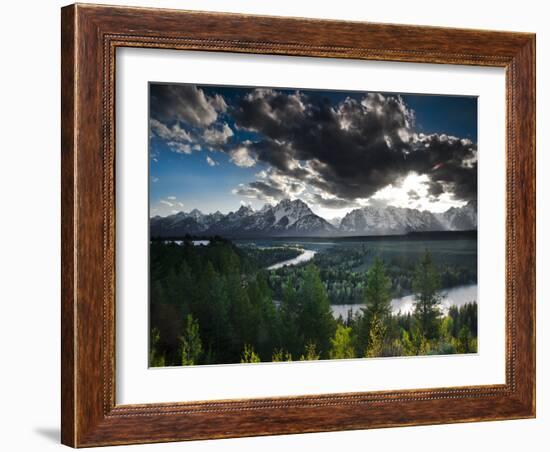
point(413, 193)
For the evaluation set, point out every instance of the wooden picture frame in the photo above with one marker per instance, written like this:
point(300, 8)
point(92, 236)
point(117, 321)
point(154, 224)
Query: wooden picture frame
point(90, 36)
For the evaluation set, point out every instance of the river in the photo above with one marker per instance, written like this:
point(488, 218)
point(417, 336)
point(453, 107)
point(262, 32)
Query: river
point(306, 255)
point(456, 296)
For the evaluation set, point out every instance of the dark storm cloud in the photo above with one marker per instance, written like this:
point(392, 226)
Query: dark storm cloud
point(354, 148)
point(332, 203)
point(412, 194)
point(450, 163)
point(261, 190)
point(267, 189)
point(275, 153)
point(185, 103)
point(435, 188)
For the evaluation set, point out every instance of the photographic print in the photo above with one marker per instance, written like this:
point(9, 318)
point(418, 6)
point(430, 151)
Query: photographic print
point(291, 224)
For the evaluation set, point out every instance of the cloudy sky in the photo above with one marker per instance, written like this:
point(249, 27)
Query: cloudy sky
point(214, 148)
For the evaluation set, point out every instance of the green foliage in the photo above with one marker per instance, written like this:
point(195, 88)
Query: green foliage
point(465, 315)
point(310, 353)
point(249, 355)
point(281, 355)
point(464, 341)
point(155, 358)
point(343, 268)
point(373, 324)
point(218, 304)
point(341, 344)
point(409, 346)
point(289, 313)
point(426, 287)
point(191, 346)
point(221, 288)
point(446, 329)
point(315, 320)
point(378, 291)
point(376, 337)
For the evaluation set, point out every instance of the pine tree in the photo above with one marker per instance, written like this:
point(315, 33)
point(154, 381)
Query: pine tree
point(311, 353)
point(376, 337)
point(289, 311)
point(281, 355)
point(156, 358)
point(427, 298)
point(341, 344)
point(315, 319)
point(377, 296)
point(265, 316)
point(464, 340)
point(217, 321)
point(244, 326)
point(249, 355)
point(191, 346)
point(378, 291)
point(409, 348)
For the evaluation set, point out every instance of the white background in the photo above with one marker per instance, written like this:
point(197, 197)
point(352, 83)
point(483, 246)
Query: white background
point(30, 270)
point(137, 384)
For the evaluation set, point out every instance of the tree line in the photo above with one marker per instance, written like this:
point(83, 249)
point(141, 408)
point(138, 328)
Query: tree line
point(214, 304)
point(343, 272)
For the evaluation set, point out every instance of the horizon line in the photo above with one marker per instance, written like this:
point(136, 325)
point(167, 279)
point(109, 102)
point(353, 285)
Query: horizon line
point(304, 202)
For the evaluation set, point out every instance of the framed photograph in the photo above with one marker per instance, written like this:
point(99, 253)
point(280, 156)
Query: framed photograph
point(278, 225)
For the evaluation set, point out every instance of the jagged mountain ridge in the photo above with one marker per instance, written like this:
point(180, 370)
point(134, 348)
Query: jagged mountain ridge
point(390, 220)
point(295, 218)
point(460, 218)
point(287, 218)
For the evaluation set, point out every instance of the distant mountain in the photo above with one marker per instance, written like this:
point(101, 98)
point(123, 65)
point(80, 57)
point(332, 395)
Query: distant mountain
point(460, 218)
point(391, 220)
point(284, 219)
point(335, 221)
point(181, 223)
point(295, 218)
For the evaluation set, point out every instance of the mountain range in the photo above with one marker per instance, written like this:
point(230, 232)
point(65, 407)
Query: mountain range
point(295, 219)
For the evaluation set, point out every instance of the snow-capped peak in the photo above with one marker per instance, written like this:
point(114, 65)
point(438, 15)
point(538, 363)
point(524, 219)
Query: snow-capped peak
point(244, 211)
point(295, 218)
point(265, 208)
point(292, 210)
point(381, 220)
point(196, 214)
